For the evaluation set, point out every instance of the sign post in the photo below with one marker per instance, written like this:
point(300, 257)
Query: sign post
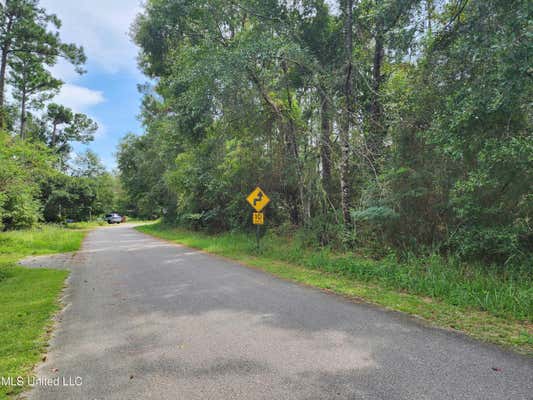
point(258, 200)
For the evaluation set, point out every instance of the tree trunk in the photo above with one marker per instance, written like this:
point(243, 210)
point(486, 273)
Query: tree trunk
point(292, 191)
point(325, 142)
point(23, 114)
point(3, 68)
point(294, 173)
point(377, 135)
point(429, 16)
point(54, 130)
point(348, 115)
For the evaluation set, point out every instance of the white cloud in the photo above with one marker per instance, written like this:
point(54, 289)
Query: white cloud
point(101, 27)
point(64, 70)
point(79, 98)
point(101, 132)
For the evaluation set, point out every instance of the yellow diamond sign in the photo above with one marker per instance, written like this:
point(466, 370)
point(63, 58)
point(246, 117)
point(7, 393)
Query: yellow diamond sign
point(258, 199)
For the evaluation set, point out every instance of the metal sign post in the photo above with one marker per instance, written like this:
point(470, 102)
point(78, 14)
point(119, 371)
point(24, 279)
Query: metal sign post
point(258, 219)
point(257, 237)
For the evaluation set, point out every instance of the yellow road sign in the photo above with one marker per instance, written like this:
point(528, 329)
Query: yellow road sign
point(258, 218)
point(258, 199)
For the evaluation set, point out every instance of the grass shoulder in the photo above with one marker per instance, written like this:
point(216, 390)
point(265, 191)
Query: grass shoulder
point(29, 297)
point(486, 304)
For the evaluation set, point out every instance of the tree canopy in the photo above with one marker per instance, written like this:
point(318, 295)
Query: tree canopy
point(401, 122)
point(39, 179)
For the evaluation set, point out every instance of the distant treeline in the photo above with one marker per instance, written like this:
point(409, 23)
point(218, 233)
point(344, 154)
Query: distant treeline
point(394, 125)
point(40, 179)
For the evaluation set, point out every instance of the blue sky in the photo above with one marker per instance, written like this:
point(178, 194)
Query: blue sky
point(108, 91)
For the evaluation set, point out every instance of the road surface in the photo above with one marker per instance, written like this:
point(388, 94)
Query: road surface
point(146, 319)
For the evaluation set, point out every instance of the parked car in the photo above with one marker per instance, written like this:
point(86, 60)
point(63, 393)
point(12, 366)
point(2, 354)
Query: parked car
point(113, 218)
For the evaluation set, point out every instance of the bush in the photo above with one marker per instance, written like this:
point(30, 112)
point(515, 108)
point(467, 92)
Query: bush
point(323, 229)
point(22, 209)
point(499, 245)
point(23, 166)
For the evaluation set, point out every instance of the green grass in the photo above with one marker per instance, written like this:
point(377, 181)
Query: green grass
point(85, 224)
point(29, 297)
point(47, 239)
point(141, 220)
point(485, 303)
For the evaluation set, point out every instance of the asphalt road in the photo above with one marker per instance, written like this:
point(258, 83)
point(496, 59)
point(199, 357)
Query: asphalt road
point(145, 319)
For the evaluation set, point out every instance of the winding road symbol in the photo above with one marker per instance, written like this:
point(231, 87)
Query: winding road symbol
point(258, 199)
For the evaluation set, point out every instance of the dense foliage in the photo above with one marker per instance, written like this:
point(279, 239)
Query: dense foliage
point(39, 180)
point(398, 124)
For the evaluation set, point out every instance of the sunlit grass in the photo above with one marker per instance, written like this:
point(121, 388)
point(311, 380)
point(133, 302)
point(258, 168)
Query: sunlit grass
point(42, 240)
point(28, 297)
point(85, 224)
